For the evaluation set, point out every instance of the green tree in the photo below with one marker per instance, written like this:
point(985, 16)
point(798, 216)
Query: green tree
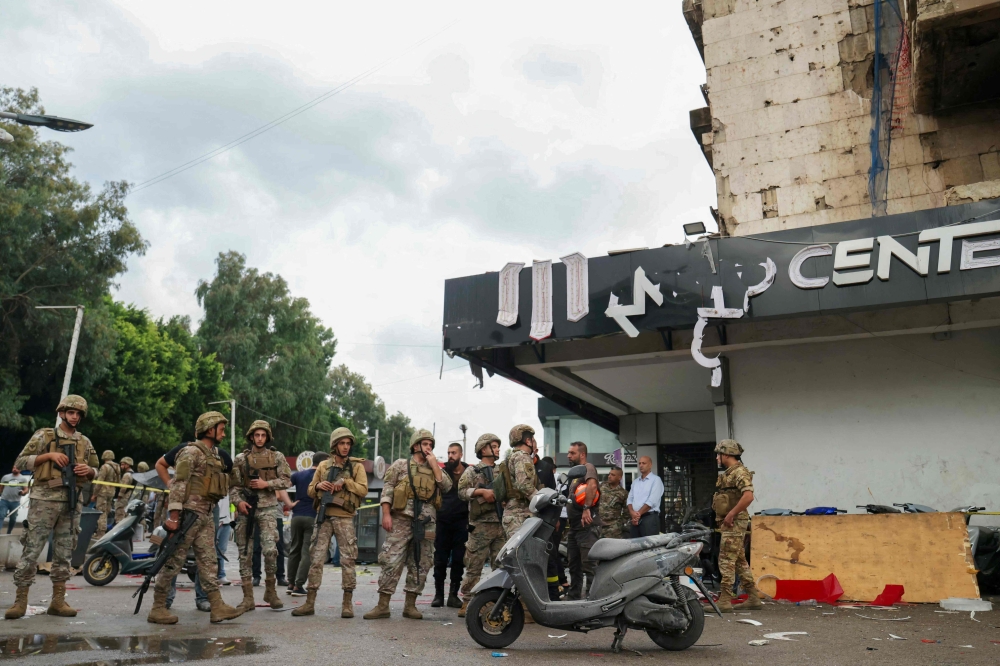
point(154, 389)
point(275, 353)
point(353, 399)
point(61, 244)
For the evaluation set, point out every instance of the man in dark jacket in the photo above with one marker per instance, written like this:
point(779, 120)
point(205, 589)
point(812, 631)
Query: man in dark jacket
point(452, 532)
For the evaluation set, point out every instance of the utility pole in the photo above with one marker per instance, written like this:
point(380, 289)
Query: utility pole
point(72, 346)
point(232, 424)
point(376, 444)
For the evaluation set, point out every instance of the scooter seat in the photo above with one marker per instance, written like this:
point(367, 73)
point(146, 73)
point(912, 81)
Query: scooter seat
point(611, 549)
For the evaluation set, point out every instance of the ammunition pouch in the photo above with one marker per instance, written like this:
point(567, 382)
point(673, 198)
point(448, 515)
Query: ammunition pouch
point(423, 488)
point(264, 464)
point(48, 473)
point(724, 500)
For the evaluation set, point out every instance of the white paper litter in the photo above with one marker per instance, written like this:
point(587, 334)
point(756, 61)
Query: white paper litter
point(758, 643)
point(972, 616)
point(783, 635)
point(559, 636)
point(884, 619)
point(753, 622)
point(894, 637)
point(957, 604)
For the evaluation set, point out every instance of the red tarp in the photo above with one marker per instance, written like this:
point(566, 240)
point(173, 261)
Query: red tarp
point(890, 595)
point(825, 591)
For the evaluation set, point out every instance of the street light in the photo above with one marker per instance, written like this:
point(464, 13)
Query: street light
point(72, 346)
point(52, 122)
point(232, 424)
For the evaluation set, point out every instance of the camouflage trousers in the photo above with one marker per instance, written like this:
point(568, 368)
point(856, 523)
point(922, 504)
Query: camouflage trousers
point(612, 532)
point(102, 504)
point(319, 550)
point(732, 557)
point(161, 508)
point(397, 551)
point(48, 517)
point(201, 537)
point(513, 519)
point(121, 504)
point(485, 541)
point(266, 524)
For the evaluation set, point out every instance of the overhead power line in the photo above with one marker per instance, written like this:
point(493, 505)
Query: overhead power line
point(282, 119)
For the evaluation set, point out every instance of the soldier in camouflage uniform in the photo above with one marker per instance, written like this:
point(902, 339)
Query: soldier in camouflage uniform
point(419, 476)
point(104, 495)
point(734, 493)
point(259, 471)
point(485, 532)
point(612, 506)
point(523, 480)
point(348, 492)
point(199, 483)
point(124, 494)
point(521, 486)
point(48, 510)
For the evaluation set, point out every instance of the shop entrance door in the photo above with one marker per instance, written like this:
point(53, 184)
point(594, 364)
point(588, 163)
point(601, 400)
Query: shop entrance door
point(689, 472)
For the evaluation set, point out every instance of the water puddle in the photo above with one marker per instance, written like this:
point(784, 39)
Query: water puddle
point(140, 649)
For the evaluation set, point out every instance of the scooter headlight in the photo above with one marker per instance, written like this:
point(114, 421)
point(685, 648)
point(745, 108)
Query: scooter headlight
point(692, 548)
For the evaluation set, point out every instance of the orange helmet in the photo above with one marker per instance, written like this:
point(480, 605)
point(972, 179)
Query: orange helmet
point(580, 495)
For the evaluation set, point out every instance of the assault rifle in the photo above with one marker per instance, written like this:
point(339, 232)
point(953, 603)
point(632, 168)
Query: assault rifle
point(166, 549)
point(327, 500)
point(69, 476)
point(250, 497)
point(419, 524)
point(497, 506)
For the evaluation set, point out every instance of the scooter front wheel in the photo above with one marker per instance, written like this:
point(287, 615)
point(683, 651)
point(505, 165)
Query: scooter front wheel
point(100, 569)
point(497, 633)
point(682, 640)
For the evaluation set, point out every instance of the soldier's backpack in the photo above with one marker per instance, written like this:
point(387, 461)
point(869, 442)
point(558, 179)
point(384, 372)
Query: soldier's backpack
point(502, 485)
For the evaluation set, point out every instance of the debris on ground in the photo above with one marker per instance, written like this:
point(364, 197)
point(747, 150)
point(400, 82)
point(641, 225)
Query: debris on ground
point(958, 604)
point(885, 619)
point(753, 622)
point(759, 642)
point(783, 635)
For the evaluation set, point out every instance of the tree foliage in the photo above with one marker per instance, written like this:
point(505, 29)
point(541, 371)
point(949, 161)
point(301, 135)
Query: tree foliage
point(155, 388)
point(61, 245)
point(275, 353)
point(352, 398)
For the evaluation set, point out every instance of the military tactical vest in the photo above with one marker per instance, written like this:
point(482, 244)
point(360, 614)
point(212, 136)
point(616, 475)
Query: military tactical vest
point(426, 489)
point(47, 471)
point(214, 485)
point(477, 507)
point(264, 464)
point(116, 474)
point(343, 499)
point(726, 495)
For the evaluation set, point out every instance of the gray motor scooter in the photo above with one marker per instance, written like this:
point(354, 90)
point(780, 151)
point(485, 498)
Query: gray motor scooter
point(637, 585)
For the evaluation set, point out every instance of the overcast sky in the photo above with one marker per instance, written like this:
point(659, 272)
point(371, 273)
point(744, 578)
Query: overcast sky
point(525, 130)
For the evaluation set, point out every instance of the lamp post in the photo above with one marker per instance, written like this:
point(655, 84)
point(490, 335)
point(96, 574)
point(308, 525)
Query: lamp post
point(232, 424)
point(464, 428)
point(72, 346)
point(52, 122)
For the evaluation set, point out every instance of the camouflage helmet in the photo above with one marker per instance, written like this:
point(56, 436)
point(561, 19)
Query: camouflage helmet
point(518, 432)
point(108, 455)
point(485, 440)
point(143, 467)
point(259, 424)
point(341, 433)
point(127, 461)
point(72, 402)
point(206, 422)
point(420, 435)
point(729, 447)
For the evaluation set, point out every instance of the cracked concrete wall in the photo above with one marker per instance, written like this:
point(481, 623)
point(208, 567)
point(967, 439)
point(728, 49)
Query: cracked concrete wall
point(789, 86)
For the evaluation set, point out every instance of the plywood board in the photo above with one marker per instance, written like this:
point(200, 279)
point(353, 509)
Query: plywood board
point(927, 553)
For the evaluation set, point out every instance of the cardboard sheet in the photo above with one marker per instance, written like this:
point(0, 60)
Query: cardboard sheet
point(927, 553)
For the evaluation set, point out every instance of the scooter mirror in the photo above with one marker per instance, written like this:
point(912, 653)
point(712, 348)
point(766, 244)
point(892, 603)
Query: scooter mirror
point(577, 472)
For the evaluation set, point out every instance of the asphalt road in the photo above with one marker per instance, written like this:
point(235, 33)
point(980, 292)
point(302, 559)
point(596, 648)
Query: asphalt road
point(106, 632)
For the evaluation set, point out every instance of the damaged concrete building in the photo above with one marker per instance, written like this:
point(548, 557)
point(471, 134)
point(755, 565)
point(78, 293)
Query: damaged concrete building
point(843, 322)
point(790, 84)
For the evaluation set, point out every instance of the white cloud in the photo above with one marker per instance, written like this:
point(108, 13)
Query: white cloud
point(526, 130)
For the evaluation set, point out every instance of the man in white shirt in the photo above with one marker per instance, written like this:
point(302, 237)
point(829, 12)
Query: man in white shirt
point(644, 501)
point(16, 486)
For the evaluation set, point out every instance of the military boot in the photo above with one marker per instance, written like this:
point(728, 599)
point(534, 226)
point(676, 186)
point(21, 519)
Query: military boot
point(453, 600)
point(382, 610)
point(465, 607)
point(347, 606)
point(271, 595)
point(438, 600)
point(58, 605)
point(309, 607)
point(248, 603)
point(753, 600)
point(410, 607)
point(20, 606)
point(725, 602)
point(220, 609)
point(159, 614)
